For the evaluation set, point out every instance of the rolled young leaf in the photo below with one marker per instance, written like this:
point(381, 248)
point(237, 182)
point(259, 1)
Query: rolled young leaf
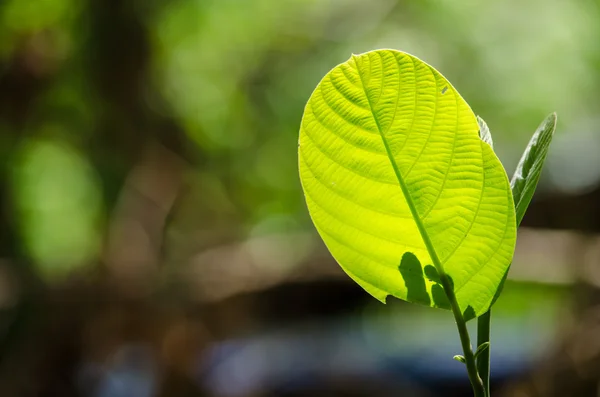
point(400, 186)
point(523, 185)
point(484, 132)
point(527, 175)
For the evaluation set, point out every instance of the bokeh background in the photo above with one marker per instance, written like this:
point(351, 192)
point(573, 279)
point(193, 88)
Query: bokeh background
point(154, 240)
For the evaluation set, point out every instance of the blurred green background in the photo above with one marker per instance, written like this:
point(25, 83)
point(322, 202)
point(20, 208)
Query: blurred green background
point(154, 239)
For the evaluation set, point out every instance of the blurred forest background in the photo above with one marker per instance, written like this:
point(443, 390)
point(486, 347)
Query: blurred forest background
point(154, 239)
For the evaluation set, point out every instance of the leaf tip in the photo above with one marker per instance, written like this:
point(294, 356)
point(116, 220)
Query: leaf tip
point(460, 358)
point(549, 123)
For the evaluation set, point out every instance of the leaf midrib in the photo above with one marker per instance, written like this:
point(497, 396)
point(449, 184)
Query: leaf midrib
point(401, 182)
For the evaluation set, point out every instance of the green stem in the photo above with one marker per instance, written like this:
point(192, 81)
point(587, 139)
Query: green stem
point(483, 359)
point(465, 340)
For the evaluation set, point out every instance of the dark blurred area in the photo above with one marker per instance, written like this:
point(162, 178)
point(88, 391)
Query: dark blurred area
point(154, 240)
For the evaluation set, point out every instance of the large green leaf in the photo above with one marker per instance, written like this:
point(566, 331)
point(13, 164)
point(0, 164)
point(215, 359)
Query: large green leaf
point(529, 169)
point(397, 179)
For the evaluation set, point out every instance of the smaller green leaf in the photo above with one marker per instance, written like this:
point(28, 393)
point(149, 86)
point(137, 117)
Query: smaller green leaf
point(484, 132)
point(527, 175)
point(483, 347)
point(460, 359)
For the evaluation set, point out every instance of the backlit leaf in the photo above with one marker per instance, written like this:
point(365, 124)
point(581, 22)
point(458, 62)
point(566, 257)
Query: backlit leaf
point(397, 181)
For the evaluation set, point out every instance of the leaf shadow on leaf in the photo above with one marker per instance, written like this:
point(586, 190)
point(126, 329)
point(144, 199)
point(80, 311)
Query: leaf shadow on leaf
point(437, 290)
point(415, 277)
point(412, 273)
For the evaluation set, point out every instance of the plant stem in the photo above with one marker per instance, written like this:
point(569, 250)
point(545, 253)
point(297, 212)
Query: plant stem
point(483, 360)
point(465, 340)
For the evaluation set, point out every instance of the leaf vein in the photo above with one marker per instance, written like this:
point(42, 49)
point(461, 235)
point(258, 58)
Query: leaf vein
point(343, 94)
point(332, 131)
point(483, 263)
point(416, 103)
point(394, 215)
point(449, 166)
point(435, 106)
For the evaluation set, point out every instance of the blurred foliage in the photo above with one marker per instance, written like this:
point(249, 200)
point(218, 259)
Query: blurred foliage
point(71, 198)
point(141, 133)
point(233, 77)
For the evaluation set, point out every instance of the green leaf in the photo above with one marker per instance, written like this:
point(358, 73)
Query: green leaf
point(460, 359)
point(397, 180)
point(527, 175)
point(484, 132)
point(483, 347)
